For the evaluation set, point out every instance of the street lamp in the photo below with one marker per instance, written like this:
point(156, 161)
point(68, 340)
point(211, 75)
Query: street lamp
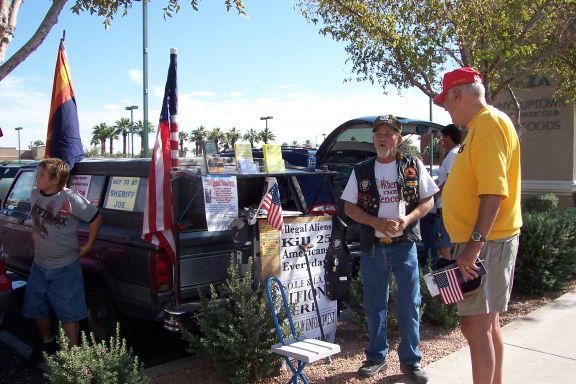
point(266, 118)
point(131, 109)
point(18, 129)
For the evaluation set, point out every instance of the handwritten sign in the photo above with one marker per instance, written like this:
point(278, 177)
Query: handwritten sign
point(122, 193)
point(80, 184)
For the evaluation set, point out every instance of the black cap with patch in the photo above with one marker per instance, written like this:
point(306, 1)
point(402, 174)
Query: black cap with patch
point(389, 120)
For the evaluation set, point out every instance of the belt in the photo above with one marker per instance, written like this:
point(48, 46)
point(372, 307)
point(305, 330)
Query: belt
point(392, 240)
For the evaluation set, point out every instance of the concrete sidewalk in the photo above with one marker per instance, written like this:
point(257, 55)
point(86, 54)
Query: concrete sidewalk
point(538, 348)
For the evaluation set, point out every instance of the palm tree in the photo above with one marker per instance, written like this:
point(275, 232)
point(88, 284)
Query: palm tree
point(183, 136)
point(216, 135)
point(266, 135)
point(99, 136)
point(197, 137)
point(139, 129)
point(123, 127)
point(112, 135)
point(232, 136)
point(252, 136)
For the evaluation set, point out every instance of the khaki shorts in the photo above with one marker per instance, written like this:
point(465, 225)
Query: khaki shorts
point(499, 257)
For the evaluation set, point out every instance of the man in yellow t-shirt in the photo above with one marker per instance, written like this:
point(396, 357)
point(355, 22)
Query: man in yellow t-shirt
point(481, 211)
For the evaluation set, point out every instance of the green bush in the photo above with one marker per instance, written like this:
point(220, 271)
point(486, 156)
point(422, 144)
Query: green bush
point(94, 362)
point(236, 330)
point(541, 203)
point(547, 253)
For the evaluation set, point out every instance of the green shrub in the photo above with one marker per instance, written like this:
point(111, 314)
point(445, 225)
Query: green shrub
point(236, 330)
point(94, 362)
point(546, 256)
point(541, 203)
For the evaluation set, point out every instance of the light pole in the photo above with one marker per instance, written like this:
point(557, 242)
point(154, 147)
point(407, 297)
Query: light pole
point(18, 129)
point(131, 109)
point(266, 118)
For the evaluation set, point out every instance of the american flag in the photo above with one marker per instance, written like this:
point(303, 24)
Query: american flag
point(271, 204)
point(158, 214)
point(449, 286)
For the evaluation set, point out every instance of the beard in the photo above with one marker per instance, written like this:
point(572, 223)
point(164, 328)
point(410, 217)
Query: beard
point(383, 151)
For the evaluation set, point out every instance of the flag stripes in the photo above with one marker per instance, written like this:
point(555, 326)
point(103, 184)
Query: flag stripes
point(449, 286)
point(272, 205)
point(158, 221)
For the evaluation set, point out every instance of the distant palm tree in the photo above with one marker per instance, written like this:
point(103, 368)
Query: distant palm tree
point(197, 137)
point(232, 136)
point(112, 135)
point(123, 127)
point(139, 129)
point(38, 143)
point(266, 135)
point(252, 136)
point(99, 136)
point(216, 135)
point(183, 136)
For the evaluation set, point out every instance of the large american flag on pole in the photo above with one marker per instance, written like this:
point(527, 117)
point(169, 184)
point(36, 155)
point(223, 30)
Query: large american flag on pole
point(158, 213)
point(449, 286)
point(272, 205)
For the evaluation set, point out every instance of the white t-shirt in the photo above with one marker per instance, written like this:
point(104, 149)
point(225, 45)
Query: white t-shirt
point(444, 170)
point(386, 175)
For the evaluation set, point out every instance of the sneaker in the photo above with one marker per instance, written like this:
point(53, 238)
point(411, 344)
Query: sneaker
point(37, 356)
point(370, 368)
point(415, 372)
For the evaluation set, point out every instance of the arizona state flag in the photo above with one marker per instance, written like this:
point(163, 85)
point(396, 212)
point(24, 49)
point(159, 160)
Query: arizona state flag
point(63, 139)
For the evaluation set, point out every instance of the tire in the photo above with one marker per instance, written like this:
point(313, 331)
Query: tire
point(102, 312)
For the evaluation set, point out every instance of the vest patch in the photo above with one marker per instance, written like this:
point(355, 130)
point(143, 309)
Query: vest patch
point(364, 185)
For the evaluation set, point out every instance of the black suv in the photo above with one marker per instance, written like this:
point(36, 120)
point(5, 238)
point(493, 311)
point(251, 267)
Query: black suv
point(125, 275)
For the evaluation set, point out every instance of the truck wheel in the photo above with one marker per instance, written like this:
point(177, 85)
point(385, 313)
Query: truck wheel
point(102, 313)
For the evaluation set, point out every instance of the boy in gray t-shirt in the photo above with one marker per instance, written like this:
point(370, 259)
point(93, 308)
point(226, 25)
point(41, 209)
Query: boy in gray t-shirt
point(56, 275)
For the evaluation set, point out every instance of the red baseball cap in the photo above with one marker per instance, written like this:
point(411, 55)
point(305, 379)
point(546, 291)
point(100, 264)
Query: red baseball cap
point(464, 75)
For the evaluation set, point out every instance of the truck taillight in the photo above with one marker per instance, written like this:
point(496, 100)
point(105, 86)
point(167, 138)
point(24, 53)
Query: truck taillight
point(323, 209)
point(160, 272)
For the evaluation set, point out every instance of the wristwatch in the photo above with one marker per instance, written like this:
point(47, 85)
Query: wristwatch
point(477, 236)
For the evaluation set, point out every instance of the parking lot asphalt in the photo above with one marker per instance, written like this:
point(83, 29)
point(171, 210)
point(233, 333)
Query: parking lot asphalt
point(17, 339)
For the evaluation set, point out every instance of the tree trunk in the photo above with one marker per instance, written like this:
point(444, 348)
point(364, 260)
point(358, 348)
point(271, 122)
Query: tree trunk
point(103, 145)
point(35, 41)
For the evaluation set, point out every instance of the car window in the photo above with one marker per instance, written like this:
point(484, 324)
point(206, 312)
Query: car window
point(126, 193)
point(360, 134)
point(19, 197)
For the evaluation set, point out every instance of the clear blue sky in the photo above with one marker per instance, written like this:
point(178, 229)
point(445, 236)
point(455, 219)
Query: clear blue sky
point(231, 71)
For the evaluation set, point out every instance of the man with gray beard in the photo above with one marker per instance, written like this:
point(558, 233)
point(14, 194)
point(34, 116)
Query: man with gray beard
point(387, 195)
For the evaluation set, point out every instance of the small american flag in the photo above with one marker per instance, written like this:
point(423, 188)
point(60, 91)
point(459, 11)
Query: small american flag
point(449, 286)
point(272, 206)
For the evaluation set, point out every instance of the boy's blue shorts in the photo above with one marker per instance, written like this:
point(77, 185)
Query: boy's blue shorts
point(63, 288)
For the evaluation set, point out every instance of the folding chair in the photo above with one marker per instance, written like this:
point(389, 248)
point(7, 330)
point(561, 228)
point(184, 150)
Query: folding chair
point(304, 351)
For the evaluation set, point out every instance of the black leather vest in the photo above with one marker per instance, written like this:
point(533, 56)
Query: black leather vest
point(369, 198)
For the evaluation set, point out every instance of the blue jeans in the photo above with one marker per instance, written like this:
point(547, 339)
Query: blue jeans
point(375, 268)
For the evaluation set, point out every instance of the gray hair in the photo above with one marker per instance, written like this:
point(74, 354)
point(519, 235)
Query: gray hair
point(475, 89)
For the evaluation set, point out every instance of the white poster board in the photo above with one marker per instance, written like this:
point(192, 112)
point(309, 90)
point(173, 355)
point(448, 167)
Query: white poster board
point(307, 236)
point(220, 201)
point(122, 193)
